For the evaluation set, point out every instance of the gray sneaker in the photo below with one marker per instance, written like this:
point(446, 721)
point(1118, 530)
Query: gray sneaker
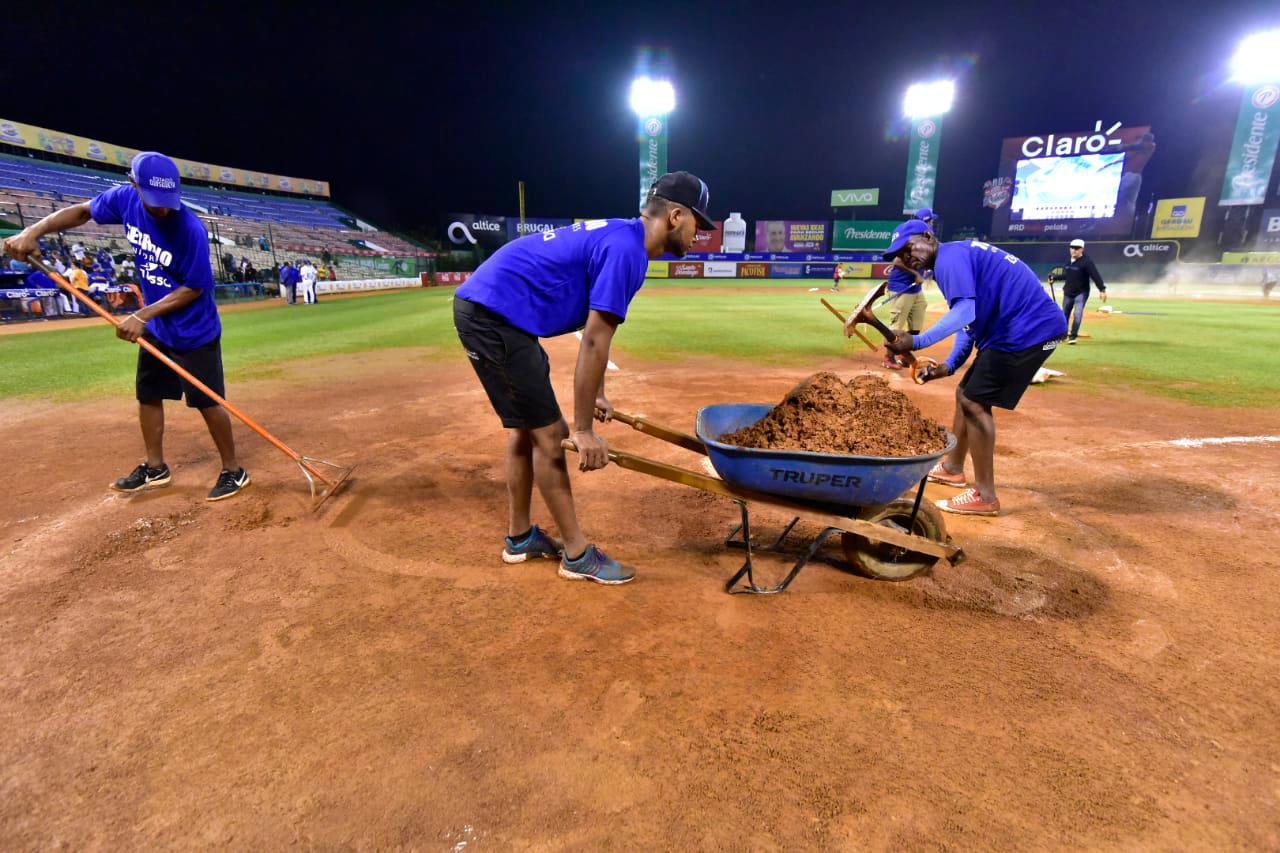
point(596, 565)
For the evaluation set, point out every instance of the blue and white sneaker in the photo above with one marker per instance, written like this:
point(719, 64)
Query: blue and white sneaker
point(535, 544)
point(596, 565)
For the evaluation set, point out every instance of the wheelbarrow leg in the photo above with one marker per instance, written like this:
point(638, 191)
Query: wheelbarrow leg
point(733, 541)
point(748, 569)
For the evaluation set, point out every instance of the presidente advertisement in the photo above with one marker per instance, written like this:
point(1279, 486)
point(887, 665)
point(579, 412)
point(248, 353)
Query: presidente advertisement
point(92, 151)
point(1082, 183)
point(1253, 147)
point(790, 235)
point(873, 234)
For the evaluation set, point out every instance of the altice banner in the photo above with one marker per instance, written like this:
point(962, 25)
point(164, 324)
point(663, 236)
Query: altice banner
point(1253, 148)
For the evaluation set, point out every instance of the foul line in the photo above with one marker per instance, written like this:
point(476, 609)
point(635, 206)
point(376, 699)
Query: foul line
point(1228, 439)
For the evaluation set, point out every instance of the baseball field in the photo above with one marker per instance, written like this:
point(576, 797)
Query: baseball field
point(1100, 672)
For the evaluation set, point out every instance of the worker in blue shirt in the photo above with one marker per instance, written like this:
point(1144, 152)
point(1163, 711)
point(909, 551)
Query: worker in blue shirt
point(550, 283)
point(996, 302)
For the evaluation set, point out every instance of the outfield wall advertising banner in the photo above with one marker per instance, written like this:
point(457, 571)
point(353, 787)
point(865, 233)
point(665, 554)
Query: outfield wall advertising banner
point(719, 269)
point(659, 269)
point(786, 270)
point(1178, 217)
point(863, 233)
point(517, 229)
point(709, 241)
point(466, 230)
point(92, 151)
point(686, 269)
point(1269, 231)
point(857, 269)
point(381, 263)
point(789, 235)
point(855, 198)
point(753, 270)
point(922, 164)
point(1253, 148)
point(1082, 183)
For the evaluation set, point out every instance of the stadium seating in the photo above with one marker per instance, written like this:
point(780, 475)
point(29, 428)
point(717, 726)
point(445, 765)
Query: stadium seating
point(297, 227)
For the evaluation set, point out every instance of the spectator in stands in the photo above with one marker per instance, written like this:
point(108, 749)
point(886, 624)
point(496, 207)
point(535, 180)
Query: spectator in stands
point(180, 318)
point(289, 283)
point(128, 270)
point(244, 268)
point(18, 266)
point(333, 273)
point(322, 273)
point(307, 277)
point(77, 251)
point(263, 243)
point(325, 257)
point(228, 265)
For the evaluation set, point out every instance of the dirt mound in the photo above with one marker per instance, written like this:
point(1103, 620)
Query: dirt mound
point(863, 417)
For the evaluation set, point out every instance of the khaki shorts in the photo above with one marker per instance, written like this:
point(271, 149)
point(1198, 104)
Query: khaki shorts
point(907, 312)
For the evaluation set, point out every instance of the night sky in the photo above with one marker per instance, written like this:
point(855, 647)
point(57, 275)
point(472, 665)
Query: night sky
point(443, 108)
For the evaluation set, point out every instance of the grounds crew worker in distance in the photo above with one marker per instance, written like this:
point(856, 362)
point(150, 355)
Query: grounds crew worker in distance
point(907, 288)
point(547, 284)
point(1075, 286)
point(996, 302)
point(180, 318)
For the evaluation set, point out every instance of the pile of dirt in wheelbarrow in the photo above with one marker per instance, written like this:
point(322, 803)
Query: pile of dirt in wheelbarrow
point(862, 417)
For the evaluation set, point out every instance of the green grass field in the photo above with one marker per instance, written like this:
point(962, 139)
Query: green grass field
point(1200, 352)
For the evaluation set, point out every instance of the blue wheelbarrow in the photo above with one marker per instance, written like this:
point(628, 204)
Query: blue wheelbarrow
point(885, 532)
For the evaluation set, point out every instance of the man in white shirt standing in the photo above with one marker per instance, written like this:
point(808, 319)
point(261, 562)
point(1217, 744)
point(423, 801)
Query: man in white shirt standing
point(308, 282)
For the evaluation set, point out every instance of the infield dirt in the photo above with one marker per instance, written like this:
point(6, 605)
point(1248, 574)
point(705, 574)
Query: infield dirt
point(1101, 672)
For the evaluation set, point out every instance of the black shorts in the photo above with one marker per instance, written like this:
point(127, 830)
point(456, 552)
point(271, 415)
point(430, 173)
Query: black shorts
point(512, 366)
point(999, 378)
point(158, 381)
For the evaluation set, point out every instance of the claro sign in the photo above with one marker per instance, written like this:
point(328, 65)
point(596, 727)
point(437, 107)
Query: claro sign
point(1062, 145)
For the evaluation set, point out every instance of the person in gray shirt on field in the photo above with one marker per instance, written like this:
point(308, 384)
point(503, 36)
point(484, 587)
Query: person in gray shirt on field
point(1076, 276)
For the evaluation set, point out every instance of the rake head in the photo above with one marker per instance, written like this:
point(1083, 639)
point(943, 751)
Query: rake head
point(324, 478)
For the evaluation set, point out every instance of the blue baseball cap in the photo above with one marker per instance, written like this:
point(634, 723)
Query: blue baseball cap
point(903, 233)
point(158, 179)
point(925, 214)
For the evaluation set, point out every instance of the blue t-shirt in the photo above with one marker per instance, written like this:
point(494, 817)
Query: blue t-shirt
point(171, 252)
point(901, 281)
point(547, 282)
point(1012, 310)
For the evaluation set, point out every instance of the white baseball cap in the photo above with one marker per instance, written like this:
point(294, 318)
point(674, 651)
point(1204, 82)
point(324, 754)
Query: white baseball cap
point(1077, 243)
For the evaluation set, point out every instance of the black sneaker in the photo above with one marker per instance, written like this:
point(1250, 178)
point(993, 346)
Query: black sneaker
point(143, 477)
point(229, 483)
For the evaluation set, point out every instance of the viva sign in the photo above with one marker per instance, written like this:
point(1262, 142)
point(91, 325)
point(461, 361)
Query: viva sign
point(863, 234)
point(652, 136)
point(1253, 149)
point(922, 164)
point(855, 198)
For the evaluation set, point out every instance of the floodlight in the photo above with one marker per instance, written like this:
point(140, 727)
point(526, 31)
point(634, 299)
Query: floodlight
point(652, 97)
point(929, 99)
point(1257, 59)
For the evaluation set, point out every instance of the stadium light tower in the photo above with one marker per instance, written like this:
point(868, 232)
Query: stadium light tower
point(652, 100)
point(1257, 59)
point(924, 105)
point(929, 100)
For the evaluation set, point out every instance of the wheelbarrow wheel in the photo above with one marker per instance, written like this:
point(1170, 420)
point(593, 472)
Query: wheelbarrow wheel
point(883, 561)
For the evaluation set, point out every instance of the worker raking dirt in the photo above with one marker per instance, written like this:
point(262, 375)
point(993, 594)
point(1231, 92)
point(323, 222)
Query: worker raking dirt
point(863, 417)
